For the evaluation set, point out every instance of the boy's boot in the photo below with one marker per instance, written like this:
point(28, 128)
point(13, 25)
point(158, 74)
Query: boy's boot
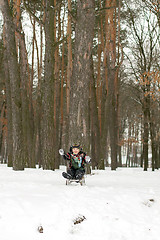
point(79, 176)
point(66, 175)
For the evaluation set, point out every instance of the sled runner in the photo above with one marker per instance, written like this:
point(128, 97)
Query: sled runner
point(81, 181)
point(70, 180)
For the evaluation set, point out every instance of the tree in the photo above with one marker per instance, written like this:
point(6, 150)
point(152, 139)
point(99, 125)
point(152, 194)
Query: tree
point(82, 73)
point(48, 140)
point(14, 76)
point(144, 54)
point(112, 65)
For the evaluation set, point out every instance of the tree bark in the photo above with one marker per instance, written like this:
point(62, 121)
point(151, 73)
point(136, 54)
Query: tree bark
point(146, 133)
point(14, 74)
point(79, 111)
point(94, 124)
point(48, 140)
point(111, 73)
point(9, 107)
point(57, 62)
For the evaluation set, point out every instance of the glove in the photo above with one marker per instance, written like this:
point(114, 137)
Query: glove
point(88, 159)
point(61, 152)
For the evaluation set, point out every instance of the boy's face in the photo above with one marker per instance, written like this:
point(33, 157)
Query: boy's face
point(75, 150)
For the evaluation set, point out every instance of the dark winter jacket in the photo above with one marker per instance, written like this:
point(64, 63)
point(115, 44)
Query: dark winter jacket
point(76, 161)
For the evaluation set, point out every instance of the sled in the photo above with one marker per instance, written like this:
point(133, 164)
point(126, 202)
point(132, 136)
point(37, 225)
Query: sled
point(82, 181)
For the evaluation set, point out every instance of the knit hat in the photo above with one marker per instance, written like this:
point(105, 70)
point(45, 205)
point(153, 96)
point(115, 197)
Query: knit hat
point(75, 146)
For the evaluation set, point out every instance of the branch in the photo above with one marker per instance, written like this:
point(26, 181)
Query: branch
point(139, 102)
point(27, 8)
point(106, 8)
point(132, 66)
point(61, 41)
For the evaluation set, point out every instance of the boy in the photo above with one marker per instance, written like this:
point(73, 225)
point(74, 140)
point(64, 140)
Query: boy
point(77, 160)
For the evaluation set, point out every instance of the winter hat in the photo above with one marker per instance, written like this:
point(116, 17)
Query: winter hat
point(75, 146)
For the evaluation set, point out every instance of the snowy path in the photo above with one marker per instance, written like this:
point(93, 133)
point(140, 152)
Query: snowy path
point(121, 205)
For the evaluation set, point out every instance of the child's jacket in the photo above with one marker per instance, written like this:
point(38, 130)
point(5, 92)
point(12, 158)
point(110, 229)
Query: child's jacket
point(76, 161)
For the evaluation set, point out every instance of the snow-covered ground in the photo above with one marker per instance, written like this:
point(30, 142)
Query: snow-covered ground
point(116, 205)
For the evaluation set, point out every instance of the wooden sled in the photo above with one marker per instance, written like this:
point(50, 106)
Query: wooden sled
point(82, 181)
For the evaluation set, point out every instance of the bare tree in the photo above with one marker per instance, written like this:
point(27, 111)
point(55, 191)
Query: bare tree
point(79, 101)
point(48, 140)
point(111, 73)
point(14, 76)
point(144, 51)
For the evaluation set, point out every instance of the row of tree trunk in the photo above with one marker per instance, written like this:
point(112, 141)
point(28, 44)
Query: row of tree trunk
point(75, 99)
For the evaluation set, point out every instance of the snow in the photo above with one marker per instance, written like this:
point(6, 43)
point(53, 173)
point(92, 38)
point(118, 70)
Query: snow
point(116, 205)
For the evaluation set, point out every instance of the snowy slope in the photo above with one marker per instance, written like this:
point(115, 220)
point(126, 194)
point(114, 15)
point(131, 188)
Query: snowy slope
point(117, 205)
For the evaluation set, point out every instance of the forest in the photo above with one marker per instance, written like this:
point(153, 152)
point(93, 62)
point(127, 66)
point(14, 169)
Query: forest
point(80, 71)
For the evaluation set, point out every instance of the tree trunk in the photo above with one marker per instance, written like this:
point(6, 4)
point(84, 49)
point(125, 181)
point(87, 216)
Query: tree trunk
point(9, 107)
point(146, 136)
point(111, 72)
point(27, 108)
point(79, 111)
point(94, 125)
point(48, 140)
point(146, 113)
point(14, 74)
point(38, 111)
point(69, 72)
point(113, 118)
point(153, 140)
point(57, 31)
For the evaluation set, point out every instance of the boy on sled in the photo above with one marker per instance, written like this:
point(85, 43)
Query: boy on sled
point(77, 160)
